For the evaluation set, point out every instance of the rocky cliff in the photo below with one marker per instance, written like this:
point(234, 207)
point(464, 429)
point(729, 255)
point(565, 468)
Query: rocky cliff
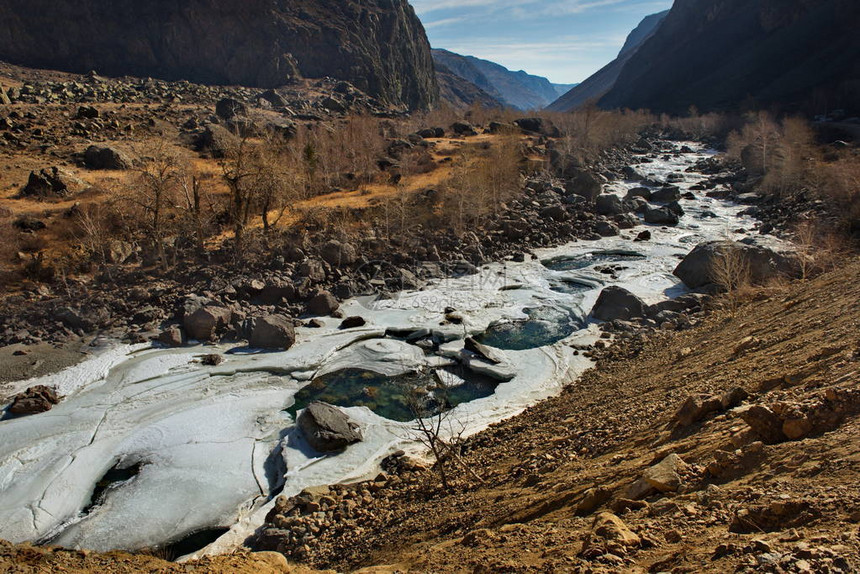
point(378, 45)
point(728, 54)
point(515, 89)
point(596, 86)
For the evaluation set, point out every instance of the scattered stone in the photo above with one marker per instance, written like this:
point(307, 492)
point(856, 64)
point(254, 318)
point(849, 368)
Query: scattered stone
point(353, 322)
point(327, 428)
point(38, 399)
point(172, 337)
point(666, 475)
point(52, 182)
point(206, 322)
point(323, 303)
point(212, 360)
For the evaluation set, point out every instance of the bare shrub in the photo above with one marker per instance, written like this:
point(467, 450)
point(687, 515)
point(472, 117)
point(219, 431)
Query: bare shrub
point(730, 272)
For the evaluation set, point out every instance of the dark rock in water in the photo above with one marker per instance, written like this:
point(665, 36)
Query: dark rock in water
point(661, 216)
point(377, 45)
point(701, 266)
point(675, 208)
point(607, 229)
point(273, 332)
point(34, 400)
point(352, 322)
point(644, 236)
point(327, 428)
point(206, 322)
point(642, 192)
point(212, 360)
point(97, 157)
point(52, 182)
point(617, 303)
point(483, 351)
point(323, 303)
point(666, 194)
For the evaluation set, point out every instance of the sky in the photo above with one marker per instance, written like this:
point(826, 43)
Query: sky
point(563, 40)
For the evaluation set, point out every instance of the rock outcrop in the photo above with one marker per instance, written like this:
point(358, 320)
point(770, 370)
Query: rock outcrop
point(377, 45)
point(722, 54)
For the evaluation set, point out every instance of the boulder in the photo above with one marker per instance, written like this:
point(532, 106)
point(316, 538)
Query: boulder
point(608, 527)
point(313, 269)
point(52, 182)
point(665, 476)
point(606, 229)
point(206, 322)
point(218, 140)
point(660, 216)
point(538, 126)
point(463, 129)
point(327, 428)
point(609, 204)
point(276, 292)
point(584, 184)
point(493, 356)
point(642, 192)
point(34, 400)
point(336, 253)
point(697, 269)
point(767, 424)
point(97, 157)
point(666, 194)
point(172, 337)
point(323, 303)
point(273, 332)
point(228, 109)
point(353, 322)
point(617, 303)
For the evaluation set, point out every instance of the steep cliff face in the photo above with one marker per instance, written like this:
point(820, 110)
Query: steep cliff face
point(378, 45)
point(515, 89)
point(725, 54)
point(596, 86)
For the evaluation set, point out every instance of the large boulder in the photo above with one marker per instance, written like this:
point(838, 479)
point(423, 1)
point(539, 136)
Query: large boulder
point(707, 262)
point(273, 332)
point(327, 428)
point(97, 157)
point(228, 109)
point(609, 204)
point(617, 303)
point(34, 400)
point(666, 194)
point(661, 216)
point(52, 182)
point(584, 184)
point(323, 303)
point(336, 253)
point(218, 140)
point(206, 322)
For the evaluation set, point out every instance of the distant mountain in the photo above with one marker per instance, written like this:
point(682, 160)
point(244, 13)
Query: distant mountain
point(461, 93)
point(378, 45)
point(728, 54)
point(515, 89)
point(596, 86)
point(562, 89)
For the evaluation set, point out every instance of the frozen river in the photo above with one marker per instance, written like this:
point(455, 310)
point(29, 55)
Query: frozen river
point(187, 448)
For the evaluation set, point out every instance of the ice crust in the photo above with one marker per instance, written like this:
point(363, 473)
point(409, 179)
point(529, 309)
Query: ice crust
point(209, 437)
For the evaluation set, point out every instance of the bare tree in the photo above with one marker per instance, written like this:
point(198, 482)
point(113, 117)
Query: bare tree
point(155, 190)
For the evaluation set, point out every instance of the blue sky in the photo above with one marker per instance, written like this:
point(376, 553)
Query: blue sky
point(563, 40)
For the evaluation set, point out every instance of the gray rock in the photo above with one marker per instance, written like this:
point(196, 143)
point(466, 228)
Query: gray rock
point(206, 322)
point(52, 182)
point(97, 157)
point(228, 108)
point(336, 253)
point(661, 216)
point(273, 332)
point(323, 303)
point(617, 303)
point(666, 194)
point(609, 204)
point(327, 428)
point(698, 268)
point(584, 184)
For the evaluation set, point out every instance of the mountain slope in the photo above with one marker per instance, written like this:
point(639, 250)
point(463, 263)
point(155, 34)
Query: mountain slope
point(515, 89)
point(602, 81)
point(378, 45)
point(461, 93)
point(722, 54)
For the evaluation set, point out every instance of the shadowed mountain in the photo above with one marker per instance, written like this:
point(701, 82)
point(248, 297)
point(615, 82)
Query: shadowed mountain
point(515, 89)
point(596, 86)
point(378, 45)
point(731, 54)
point(461, 93)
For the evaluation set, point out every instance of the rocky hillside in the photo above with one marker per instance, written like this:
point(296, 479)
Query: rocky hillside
point(725, 54)
point(378, 45)
point(596, 86)
point(515, 89)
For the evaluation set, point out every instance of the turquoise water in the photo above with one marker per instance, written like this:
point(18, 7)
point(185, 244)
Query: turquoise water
point(545, 326)
point(386, 396)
